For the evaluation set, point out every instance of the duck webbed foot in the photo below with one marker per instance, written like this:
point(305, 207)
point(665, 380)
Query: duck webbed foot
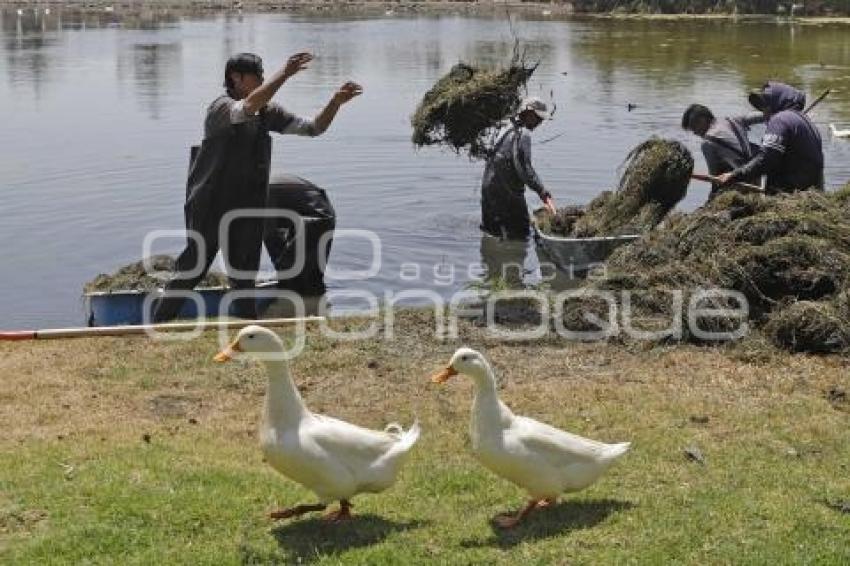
point(341, 514)
point(510, 521)
point(296, 511)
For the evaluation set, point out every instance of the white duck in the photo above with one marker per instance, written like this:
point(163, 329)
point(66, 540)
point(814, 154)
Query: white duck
point(332, 458)
point(839, 133)
point(539, 458)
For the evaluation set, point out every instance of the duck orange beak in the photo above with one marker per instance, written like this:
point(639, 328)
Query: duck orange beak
point(443, 375)
point(227, 354)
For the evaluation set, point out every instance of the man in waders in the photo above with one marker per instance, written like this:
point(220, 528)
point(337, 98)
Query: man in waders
point(725, 143)
point(504, 212)
point(791, 150)
point(230, 172)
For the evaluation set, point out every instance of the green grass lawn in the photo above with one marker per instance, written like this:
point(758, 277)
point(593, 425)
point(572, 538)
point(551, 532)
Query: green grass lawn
point(131, 451)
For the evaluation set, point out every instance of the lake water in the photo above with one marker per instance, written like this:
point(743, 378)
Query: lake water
point(99, 111)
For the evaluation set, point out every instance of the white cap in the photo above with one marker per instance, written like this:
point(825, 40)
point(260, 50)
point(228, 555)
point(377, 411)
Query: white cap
point(536, 105)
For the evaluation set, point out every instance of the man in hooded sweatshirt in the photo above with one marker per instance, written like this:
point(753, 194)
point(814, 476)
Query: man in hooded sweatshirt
point(504, 212)
point(229, 172)
point(791, 151)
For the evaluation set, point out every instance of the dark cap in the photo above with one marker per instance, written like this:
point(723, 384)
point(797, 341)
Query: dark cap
point(243, 63)
point(692, 113)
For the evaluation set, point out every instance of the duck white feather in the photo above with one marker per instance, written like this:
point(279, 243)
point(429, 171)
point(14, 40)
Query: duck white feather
point(334, 459)
point(542, 459)
point(839, 133)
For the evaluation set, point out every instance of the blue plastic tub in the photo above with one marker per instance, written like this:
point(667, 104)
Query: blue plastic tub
point(116, 308)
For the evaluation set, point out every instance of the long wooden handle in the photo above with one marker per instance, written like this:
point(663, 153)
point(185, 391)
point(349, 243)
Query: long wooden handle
point(817, 101)
point(711, 179)
point(84, 332)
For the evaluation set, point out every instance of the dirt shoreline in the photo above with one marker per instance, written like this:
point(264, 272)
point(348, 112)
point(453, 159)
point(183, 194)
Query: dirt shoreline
point(76, 368)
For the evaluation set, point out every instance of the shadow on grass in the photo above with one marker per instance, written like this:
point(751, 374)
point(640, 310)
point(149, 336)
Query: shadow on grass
point(312, 539)
point(561, 519)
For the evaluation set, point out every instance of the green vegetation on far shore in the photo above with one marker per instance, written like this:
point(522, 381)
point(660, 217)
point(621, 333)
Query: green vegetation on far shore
point(765, 7)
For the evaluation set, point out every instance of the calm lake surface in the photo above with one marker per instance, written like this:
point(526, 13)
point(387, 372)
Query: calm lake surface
point(99, 111)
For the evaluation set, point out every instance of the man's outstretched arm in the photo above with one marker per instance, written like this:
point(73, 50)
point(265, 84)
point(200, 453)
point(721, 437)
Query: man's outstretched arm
point(282, 121)
point(345, 93)
point(264, 93)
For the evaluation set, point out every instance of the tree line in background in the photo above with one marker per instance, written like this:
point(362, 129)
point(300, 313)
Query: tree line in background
point(812, 7)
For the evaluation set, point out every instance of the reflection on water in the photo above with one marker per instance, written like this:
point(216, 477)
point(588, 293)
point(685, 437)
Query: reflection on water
point(155, 67)
point(101, 108)
point(811, 57)
point(26, 38)
point(505, 262)
point(520, 265)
